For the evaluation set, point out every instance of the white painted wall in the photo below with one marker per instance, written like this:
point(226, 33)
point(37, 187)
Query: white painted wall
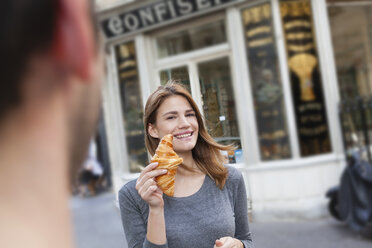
point(293, 193)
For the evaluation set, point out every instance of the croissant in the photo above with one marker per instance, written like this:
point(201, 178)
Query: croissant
point(169, 160)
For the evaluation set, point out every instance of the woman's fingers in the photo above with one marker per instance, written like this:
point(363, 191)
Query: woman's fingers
point(148, 176)
point(149, 191)
point(148, 173)
point(218, 243)
point(227, 242)
point(146, 185)
point(148, 168)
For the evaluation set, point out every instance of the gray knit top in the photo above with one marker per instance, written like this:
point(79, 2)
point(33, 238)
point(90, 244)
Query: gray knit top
point(193, 221)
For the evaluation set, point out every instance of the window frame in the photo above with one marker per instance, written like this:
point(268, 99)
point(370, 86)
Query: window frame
point(328, 74)
point(193, 58)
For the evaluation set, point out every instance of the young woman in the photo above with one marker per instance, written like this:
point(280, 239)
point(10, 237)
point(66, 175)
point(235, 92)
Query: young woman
point(209, 206)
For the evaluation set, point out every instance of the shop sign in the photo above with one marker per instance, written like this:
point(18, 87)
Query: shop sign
point(157, 14)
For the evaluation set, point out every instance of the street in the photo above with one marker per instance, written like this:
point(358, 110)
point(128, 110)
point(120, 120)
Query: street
point(97, 225)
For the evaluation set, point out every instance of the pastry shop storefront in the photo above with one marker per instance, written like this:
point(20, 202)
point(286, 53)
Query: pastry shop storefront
point(264, 75)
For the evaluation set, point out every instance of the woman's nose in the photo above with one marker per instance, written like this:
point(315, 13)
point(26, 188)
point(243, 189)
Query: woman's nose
point(183, 122)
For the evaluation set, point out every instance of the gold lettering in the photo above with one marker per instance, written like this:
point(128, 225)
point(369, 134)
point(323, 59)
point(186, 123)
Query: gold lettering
point(256, 14)
point(260, 42)
point(295, 8)
point(128, 74)
point(274, 135)
point(127, 63)
point(299, 36)
point(313, 131)
point(259, 30)
point(311, 118)
point(266, 9)
point(300, 48)
point(297, 23)
point(246, 17)
point(309, 106)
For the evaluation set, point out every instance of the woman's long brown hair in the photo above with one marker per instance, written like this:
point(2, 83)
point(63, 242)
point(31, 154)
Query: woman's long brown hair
point(207, 152)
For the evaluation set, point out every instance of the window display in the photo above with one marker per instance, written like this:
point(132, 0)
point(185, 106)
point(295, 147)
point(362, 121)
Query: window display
point(306, 81)
point(219, 104)
point(180, 74)
point(131, 103)
point(266, 83)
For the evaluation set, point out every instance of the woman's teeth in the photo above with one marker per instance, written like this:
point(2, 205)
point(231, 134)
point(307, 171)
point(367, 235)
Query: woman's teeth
point(183, 135)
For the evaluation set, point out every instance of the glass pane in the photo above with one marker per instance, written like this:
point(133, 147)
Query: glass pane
point(192, 39)
point(306, 81)
point(219, 104)
point(265, 83)
point(351, 29)
point(131, 102)
point(180, 74)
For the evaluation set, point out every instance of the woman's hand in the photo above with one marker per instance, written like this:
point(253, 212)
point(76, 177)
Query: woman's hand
point(228, 242)
point(147, 187)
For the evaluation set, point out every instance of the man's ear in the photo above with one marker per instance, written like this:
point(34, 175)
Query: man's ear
point(74, 42)
point(153, 131)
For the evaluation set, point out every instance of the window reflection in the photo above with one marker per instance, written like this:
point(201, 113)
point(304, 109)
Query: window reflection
point(131, 102)
point(351, 29)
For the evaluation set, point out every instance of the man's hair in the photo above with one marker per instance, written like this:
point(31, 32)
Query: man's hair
point(26, 27)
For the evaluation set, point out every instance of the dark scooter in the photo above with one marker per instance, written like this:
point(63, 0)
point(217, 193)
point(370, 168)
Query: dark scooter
point(351, 201)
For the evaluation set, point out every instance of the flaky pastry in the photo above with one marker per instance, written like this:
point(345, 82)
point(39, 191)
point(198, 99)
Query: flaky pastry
point(169, 160)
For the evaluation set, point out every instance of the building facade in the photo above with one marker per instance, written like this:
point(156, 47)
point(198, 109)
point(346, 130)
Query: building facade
point(266, 74)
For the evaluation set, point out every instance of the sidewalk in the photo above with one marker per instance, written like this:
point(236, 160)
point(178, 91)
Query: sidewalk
point(98, 225)
point(97, 222)
point(325, 233)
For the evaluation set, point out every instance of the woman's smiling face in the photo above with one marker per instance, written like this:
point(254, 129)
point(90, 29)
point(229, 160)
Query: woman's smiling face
point(176, 116)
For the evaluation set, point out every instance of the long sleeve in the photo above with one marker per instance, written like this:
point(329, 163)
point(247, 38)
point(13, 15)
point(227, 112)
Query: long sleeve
point(241, 215)
point(197, 220)
point(134, 218)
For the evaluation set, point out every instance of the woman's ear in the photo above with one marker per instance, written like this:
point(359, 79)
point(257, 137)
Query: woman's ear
point(153, 131)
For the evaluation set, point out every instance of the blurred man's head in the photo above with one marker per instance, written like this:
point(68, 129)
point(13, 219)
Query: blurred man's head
point(49, 49)
point(50, 72)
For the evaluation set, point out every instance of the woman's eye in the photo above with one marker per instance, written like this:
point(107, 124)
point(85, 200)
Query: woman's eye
point(190, 115)
point(170, 117)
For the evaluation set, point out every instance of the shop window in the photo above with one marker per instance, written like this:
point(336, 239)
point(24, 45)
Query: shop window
point(191, 39)
point(131, 103)
point(266, 83)
point(180, 74)
point(351, 29)
point(219, 104)
point(305, 76)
